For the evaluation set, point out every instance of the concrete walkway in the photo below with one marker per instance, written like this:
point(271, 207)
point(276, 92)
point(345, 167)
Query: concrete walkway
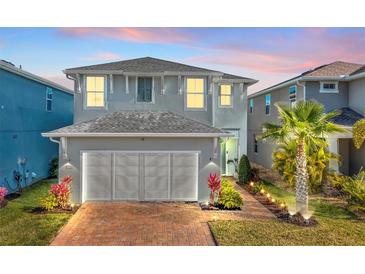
point(155, 223)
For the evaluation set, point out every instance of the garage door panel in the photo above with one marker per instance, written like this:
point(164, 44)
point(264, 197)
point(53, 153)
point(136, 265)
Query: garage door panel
point(184, 176)
point(97, 175)
point(126, 178)
point(156, 176)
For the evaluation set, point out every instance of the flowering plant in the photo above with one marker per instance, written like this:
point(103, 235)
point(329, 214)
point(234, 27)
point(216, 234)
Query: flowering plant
point(59, 195)
point(214, 184)
point(3, 192)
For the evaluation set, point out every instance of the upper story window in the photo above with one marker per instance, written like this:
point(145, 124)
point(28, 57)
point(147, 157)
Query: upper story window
point(49, 99)
point(195, 93)
point(144, 89)
point(292, 95)
point(95, 91)
point(329, 87)
point(225, 96)
point(267, 104)
point(250, 106)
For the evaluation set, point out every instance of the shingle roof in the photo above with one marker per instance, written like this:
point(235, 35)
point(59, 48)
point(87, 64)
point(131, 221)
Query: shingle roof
point(348, 117)
point(139, 123)
point(231, 76)
point(335, 69)
point(145, 64)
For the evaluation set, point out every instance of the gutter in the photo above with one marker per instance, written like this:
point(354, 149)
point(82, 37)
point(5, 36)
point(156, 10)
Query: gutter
point(151, 135)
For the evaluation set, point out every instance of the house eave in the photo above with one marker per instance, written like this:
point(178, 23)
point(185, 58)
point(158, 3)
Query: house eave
point(141, 73)
point(132, 134)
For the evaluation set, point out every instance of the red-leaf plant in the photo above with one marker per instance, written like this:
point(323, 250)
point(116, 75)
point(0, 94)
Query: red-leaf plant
point(62, 191)
point(3, 192)
point(214, 184)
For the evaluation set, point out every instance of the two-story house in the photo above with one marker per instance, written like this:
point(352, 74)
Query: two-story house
point(338, 86)
point(151, 129)
point(29, 105)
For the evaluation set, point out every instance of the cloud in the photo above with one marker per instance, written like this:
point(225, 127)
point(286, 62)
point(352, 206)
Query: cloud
point(60, 79)
point(102, 56)
point(307, 49)
point(138, 35)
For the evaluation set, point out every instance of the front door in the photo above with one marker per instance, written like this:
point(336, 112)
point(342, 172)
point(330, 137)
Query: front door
point(231, 155)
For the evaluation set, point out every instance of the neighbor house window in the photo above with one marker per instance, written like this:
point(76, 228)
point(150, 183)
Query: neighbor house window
point(292, 95)
point(267, 104)
point(329, 87)
point(195, 93)
point(225, 99)
point(49, 99)
point(255, 144)
point(95, 91)
point(250, 105)
point(144, 90)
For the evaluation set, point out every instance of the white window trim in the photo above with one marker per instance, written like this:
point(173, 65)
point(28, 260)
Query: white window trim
point(322, 90)
point(47, 99)
point(105, 92)
point(153, 91)
point(186, 108)
point(219, 96)
point(268, 114)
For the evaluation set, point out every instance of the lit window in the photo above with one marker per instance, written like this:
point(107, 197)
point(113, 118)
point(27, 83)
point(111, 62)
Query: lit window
point(225, 95)
point(250, 106)
point(267, 103)
point(329, 87)
point(195, 93)
point(255, 144)
point(49, 99)
point(95, 91)
point(293, 95)
point(144, 89)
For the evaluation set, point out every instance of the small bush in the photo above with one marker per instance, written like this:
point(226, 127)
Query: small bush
point(3, 192)
point(355, 188)
point(59, 195)
point(53, 168)
point(229, 198)
point(244, 170)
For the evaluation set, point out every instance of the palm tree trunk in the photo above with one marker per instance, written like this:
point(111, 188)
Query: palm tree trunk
point(301, 177)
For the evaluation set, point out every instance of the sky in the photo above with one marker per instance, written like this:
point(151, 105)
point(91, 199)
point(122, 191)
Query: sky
point(270, 55)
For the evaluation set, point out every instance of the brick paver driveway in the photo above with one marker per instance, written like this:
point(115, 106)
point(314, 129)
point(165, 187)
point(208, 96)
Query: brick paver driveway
point(143, 223)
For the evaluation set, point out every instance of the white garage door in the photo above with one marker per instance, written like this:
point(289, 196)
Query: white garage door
point(162, 176)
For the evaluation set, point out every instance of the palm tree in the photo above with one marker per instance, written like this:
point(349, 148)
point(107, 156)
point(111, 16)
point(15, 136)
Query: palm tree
point(358, 133)
point(306, 124)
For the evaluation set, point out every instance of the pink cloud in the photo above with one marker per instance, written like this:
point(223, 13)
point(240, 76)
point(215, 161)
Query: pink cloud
point(139, 35)
point(102, 56)
point(60, 79)
point(310, 48)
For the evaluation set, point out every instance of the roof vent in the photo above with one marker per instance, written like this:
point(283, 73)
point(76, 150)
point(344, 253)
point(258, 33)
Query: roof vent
point(10, 63)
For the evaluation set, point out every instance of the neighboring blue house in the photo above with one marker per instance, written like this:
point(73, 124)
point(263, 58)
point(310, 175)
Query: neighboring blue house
point(29, 105)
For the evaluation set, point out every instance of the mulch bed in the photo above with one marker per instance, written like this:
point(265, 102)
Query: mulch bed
point(280, 212)
point(41, 210)
point(204, 206)
point(12, 196)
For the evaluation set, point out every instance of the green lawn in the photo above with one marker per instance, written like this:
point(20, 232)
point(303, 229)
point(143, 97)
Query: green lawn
point(19, 227)
point(337, 226)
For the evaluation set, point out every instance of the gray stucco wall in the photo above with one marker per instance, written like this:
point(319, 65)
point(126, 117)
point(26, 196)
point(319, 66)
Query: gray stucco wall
point(344, 151)
point(330, 101)
point(203, 145)
point(357, 95)
point(258, 117)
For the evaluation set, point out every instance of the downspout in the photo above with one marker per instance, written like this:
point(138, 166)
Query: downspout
point(303, 86)
point(54, 141)
point(213, 105)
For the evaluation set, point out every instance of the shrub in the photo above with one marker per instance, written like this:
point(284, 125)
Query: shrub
point(3, 192)
point(53, 168)
point(244, 170)
point(229, 198)
point(355, 188)
point(214, 184)
point(59, 195)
